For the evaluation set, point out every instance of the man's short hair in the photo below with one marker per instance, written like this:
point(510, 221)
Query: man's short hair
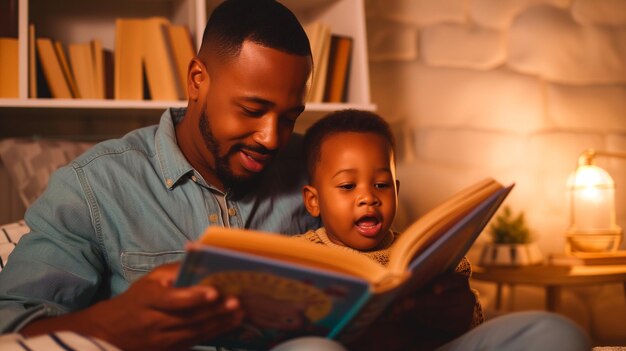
point(264, 22)
point(349, 120)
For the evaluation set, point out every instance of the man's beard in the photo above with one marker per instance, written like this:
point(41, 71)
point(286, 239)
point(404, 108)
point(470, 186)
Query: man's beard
point(237, 184)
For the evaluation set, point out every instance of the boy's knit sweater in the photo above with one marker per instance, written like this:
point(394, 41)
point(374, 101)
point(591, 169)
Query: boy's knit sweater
point(380, 254)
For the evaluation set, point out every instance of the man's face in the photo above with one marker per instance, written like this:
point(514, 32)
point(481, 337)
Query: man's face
point(356, 189)
point(250, 109)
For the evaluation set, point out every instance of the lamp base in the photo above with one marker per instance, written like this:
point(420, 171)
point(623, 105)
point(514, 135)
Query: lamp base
point(596, 242)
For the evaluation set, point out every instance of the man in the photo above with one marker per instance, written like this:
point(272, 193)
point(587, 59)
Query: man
point(98, 260)
point(130, 205)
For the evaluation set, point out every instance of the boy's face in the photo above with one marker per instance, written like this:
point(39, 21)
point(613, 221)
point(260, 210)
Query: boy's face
point(354, 189)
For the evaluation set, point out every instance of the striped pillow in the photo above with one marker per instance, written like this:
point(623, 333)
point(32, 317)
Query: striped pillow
point(10, 234)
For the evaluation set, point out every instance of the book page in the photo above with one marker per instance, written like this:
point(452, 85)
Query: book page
point(428, 227)
point(447, 250)
point(292, 250)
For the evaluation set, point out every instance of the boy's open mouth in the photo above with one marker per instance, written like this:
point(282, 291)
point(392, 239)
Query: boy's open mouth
point(368, 225)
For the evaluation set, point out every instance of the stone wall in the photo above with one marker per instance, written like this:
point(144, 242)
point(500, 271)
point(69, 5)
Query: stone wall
point(513, 89)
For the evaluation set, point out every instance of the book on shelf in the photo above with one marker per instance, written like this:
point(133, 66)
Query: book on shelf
point(97, 54)
point(32, 63)
point(319, 39)
point(183, 51)
point(588, 258)
point(81, 58)
point(128, 76)
point(9, 64)
point(159, 61)
point(338, 74)
point(290, 287)
point(67, 72)
point(52, 70)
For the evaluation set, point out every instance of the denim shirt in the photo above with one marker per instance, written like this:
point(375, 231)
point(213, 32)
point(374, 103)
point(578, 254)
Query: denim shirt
point(124, 207)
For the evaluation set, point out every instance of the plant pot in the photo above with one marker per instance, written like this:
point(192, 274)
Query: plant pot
point(510, 254)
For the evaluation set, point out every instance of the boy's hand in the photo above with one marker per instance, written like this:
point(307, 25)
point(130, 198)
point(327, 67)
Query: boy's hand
point(425, 319)
point(152, 315)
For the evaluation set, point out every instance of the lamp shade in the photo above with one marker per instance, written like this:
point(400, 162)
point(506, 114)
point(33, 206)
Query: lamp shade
point(593, 200)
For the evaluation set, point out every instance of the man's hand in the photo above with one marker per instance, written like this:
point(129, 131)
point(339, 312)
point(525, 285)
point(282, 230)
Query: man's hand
point(425, 319)
point(152, 315)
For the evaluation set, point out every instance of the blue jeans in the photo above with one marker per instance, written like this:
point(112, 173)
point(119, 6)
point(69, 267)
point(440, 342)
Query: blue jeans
point(515, 331)
point(523, 331)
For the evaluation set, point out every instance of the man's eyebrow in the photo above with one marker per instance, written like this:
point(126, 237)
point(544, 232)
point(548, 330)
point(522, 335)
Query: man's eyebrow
point(258, 100)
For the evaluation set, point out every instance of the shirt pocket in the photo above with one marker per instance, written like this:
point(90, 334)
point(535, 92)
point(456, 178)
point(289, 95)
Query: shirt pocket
point(137, 264)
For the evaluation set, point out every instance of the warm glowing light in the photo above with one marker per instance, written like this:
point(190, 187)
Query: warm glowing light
point(593, 225)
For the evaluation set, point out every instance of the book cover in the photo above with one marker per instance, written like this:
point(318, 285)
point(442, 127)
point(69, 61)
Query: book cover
point(282, 300)
point(432, 245)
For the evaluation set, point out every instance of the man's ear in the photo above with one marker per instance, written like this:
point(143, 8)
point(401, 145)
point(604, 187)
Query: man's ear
point(309, 194)
point(197, 75)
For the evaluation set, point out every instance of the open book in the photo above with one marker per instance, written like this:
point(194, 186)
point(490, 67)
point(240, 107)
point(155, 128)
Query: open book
point(291, 287)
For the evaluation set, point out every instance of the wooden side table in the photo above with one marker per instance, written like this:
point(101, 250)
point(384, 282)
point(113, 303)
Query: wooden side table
point(551, 278)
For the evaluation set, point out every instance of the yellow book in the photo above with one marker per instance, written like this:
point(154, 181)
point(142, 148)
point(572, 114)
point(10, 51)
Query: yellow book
point(83, 69)
point(9, 79)
point(128, 67)
point(159, 61)
point(321, 290)
point(337, 76)
point(65, 66)
point(319, 39)
point(32, 63)
point(97, 54)
point(183, 50)
point(52, 69)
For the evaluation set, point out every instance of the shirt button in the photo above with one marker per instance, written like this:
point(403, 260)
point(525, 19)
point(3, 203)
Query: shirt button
point(232, 212)
point(169, 182)
point(213, 218)
point(194, 178)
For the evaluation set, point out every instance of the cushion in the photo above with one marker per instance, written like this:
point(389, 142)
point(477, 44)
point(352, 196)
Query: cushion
point(30, 163)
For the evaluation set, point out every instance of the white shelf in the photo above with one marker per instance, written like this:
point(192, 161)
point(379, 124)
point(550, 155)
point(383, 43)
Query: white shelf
point(73, 21)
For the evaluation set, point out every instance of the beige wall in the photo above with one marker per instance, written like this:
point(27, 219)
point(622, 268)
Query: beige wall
point(513, 89)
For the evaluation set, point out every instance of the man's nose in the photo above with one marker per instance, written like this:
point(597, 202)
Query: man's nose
point(267, 133)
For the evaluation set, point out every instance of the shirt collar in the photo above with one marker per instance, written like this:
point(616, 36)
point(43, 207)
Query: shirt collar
point(173, 163)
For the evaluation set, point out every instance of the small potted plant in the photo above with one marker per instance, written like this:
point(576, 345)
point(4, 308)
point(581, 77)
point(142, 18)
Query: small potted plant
point(511, 243)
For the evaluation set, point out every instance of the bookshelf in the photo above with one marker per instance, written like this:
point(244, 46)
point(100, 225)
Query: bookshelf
point(73, 21)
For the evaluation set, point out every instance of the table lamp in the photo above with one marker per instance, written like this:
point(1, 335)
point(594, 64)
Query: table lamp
point(591, 192)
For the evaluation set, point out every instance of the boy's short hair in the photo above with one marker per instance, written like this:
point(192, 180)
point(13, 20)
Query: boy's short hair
point(265, 22)
point(349, 120)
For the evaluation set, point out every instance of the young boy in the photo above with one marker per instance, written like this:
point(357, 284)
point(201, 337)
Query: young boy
point(352, 182)
point(352, 186)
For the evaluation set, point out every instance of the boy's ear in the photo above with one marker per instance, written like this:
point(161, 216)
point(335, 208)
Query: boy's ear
point(309, 194)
